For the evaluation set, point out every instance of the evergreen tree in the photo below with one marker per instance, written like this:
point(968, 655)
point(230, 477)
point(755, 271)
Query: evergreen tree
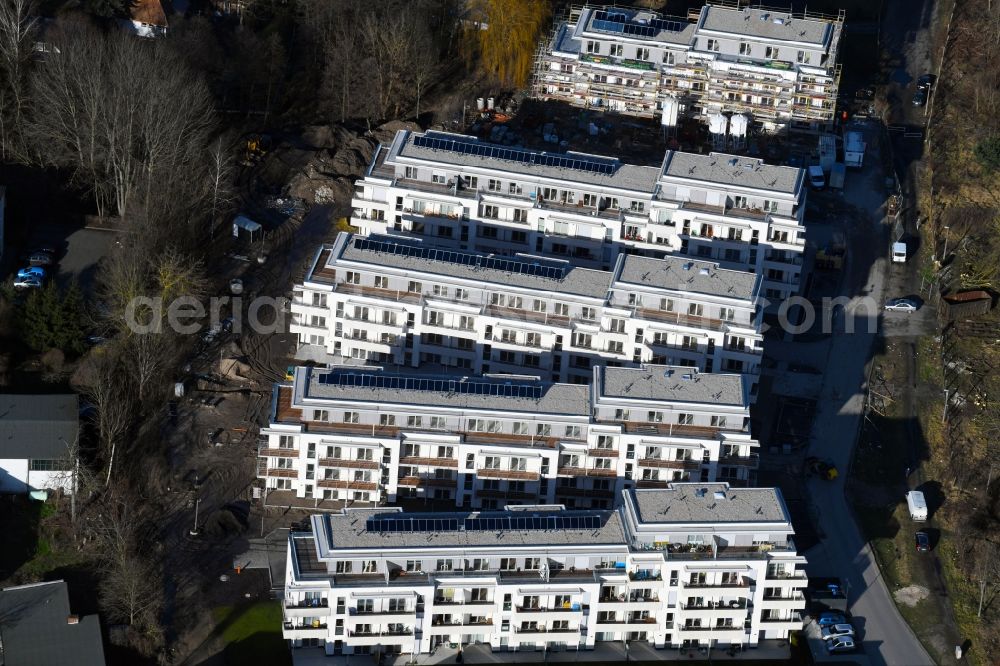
point(71, 334)
point(39, 317)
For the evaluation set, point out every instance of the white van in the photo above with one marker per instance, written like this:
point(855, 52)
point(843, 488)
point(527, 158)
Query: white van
point(917, 505)
point(899, 253)
point(816, 178)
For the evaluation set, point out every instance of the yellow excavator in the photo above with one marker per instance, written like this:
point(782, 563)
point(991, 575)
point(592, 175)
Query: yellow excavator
point(258, 145)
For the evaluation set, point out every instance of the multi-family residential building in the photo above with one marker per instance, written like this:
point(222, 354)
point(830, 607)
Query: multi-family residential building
point(397, 301)
point(775, 66)
point(459, 192)
point(360, 435)
point(690, 565)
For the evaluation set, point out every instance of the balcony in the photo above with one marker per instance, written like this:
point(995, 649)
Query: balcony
point(573, 491)
point(724, 584)
point(787, 575)
point(500, 312)
point(429, 462)
point(602, 453)
point(347, 484)
point(282, 473)
point(428, 482)
point(671, 429)
point(374, 634)
point(510, 474)
point(278, 453)
point(315, 626)
point(346, 463)
point(591, 472)
point(393, 295)
point(679, 319)
point(662, 463)
point(644, 576)
point(752, 461)
point(731, 605)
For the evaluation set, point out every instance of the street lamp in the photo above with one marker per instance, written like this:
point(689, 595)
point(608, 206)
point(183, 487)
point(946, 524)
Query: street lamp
point(944, 256)
point(197, 503)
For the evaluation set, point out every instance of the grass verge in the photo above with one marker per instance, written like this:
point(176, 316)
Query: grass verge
point(251, 633)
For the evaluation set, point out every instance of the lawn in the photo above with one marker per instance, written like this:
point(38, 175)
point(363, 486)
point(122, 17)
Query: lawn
point(252, 633)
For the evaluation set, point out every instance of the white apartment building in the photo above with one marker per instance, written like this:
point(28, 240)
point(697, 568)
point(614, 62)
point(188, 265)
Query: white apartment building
point(462, 193)
point(777, 67)
point(689, 565)
point(360, 435)
point(397, 301)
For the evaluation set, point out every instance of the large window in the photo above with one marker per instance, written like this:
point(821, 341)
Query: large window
point(61, 465)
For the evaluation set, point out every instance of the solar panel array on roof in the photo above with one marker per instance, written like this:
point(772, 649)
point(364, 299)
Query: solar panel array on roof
point(462, 258)
point(400, 382)
point(515, 154)
point(483, 523)
point(619, 23)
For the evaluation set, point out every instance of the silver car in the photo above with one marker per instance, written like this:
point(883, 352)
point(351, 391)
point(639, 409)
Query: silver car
point(901, 305)
point(837, 631)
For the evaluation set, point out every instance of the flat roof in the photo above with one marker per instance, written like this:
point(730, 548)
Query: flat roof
point(654, 27)
point(726, 169)
point(686, 274)
point(545, 398)
point(708, 503)
point(672, 383)
point(38, 427)
point(348, 530)
point(575, 280)
point(764, 24)
point(624, 176)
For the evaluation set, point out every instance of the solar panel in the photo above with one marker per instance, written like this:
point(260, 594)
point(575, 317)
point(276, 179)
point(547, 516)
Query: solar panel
point(404, 383)
point(619, 23)
point(518, 155)
point(461, 258)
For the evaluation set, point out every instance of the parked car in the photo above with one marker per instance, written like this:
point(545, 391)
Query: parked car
point(41, 258)
point(837, 631)
point(28, 282)
point(236, 286)
point(842, 644)
point(923, 541)
point(829, 618)
point(37, 271)
point(920, 97)
point(901, 305)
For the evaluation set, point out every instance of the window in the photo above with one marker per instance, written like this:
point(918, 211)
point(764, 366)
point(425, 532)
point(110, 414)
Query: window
point(387, 419)
point(415, 287)
point(562, 309)
point(667, 304)
point(573, 432)
point(617, 326)
point(654, 417)
point(444, 565)
point(581, 340)
point(668, 57)
point(494, 185)
point(413, 421)
point(588, 313)
point(352, 417)
point(439, 178)
point(508, 563)
point(695, 309)
point(352, 277)
point(533, 339)
point(685, 419)
point(622, 415)
point(437, 423)
point(491, 212)
point(803, 57)
point(771, 53)
point(491, 462)
point(642, 54)
point(410, 172)
point(414, 565)
point(51, 465)
point(538, 305)
point(593, 47)
point(712, 45)
point(440, 290)
point(744, 48)
point(718, 421)
point(514, 188)
point(615, 347)
point(770, 206)
point(727, 314)
point(616, 50)
point(543, 429)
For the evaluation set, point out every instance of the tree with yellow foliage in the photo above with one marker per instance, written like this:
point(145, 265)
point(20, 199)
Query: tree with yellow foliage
point(506, 33)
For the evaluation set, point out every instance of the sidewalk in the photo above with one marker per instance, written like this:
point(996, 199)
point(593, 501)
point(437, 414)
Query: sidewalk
point(605, 653)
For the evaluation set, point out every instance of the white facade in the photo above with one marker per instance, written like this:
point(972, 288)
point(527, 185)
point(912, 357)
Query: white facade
point(778, 67)
point(686, 566)
point(367, 436)
point(459, 192)
point(385, 300)
point(23, 476)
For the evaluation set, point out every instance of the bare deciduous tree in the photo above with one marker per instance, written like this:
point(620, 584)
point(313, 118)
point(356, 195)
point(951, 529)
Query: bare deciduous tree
point(18, 24)
point(127, 118)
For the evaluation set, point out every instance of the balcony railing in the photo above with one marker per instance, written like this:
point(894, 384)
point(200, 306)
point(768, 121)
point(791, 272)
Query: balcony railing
point(308, 603)
point(299, 627)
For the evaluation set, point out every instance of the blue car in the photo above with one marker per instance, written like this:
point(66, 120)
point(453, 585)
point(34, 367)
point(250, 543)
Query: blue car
point(32, 271)
point(829, 619)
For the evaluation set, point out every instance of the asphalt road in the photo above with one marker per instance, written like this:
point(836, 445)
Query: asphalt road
point(842, 551)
